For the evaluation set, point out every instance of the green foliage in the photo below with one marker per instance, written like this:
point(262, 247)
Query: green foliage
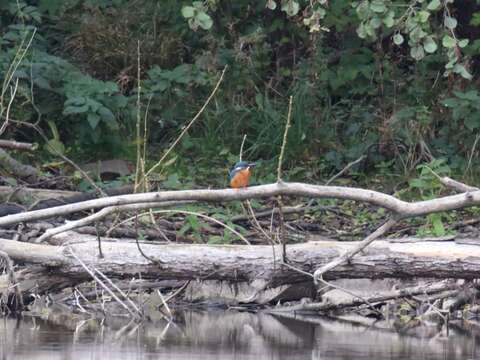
point(363, 75)
point(427, 183)
point(429, 187)
point(465, 108)
point(412, 20)
point(197, 16)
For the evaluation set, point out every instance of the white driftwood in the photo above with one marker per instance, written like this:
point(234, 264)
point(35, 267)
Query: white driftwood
point(400, 208)
point(255, 264)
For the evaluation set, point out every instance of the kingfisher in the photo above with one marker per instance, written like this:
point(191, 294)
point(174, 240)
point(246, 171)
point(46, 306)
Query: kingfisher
point(240, 173)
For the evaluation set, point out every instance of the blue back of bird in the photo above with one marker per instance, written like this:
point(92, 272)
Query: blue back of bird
point(238, 166)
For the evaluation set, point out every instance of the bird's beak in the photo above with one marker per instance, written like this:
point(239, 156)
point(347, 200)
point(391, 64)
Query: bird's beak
point(252, 164)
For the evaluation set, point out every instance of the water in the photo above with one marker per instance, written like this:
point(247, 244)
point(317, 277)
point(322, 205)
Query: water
point(230, 335)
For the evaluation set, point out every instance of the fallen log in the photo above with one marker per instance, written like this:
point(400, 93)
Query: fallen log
point(57, 269)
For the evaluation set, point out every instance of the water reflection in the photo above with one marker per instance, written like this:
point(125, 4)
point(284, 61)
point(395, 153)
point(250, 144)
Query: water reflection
point(227, 335)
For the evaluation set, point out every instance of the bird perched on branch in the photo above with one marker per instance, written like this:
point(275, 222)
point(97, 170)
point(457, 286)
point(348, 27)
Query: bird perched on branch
point(240, 173)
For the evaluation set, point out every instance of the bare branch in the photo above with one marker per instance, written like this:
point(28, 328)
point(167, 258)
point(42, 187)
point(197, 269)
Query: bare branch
point(134, 312)
point(8, 263)
point(12, 144)
point(457, 185)
point(98, 216)
point(13, 92)
point(400, 208)
point(241, 148)
point(284, 141)
point(345, 169)
point(318, 274)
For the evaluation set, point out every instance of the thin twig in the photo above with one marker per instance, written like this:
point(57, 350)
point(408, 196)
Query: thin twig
point(95, 217)
point(102, 284)
point(284, 142)
point(119, 290)
point(279, 180)
point(269, 212)
point(77, 302)
point(318, 274)
point(472, 152)
point(139, 248)
point(209, 218)
point(137, 123)
point(283, 238)
point(345, 169)
point(267, 236)
point(165, 303)
point(257, 224)
point(143, 160)
point(100, 252)
point(13, 92)
point(178, 291)
point(154, 167)
point(8, 263)
point(241, 147)
point(17, 60)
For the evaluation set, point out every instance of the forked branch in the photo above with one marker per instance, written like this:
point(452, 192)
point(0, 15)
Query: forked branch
point(399, 208)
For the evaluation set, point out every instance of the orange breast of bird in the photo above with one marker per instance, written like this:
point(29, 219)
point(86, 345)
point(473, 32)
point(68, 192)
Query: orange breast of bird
point(240, 179)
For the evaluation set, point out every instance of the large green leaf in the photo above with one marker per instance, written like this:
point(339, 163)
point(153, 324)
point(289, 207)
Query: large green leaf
point(417, 52)
point(188, 11)
point(204, 20)
point(433, 5)
point(378, 6)
point(448, 41)
point(450, 22)
point(429, 45)
point(93, 119)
